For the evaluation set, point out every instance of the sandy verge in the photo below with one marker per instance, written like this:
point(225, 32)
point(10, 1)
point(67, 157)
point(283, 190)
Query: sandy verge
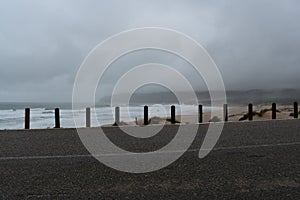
point(236, 113)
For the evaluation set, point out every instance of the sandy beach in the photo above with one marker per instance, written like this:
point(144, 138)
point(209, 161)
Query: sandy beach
point(235, 113)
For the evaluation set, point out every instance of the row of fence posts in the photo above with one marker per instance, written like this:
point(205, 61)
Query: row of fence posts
point(146, 115)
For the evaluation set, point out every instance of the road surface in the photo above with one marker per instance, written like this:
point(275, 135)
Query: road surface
point(251, 160)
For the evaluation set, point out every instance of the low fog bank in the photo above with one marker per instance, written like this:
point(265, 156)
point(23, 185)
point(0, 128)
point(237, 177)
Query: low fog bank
point(234, 97)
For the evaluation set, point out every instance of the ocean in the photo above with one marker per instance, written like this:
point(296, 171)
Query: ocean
point(42, 114)
point(12, 115)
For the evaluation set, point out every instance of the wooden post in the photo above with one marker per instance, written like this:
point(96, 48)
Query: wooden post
point(200, 114)
point(145, 115)
point(173, 120)
point(57, 118)
point(250, 112)
point(88, 117)
point(273, 110)
point(27, 118)
point(295, 110)
point(225, 112)
point(117, 115)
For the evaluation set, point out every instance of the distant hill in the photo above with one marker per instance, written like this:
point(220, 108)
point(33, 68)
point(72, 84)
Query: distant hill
point(283, 96)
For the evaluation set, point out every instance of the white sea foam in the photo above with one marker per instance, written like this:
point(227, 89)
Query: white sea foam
point(44, 118)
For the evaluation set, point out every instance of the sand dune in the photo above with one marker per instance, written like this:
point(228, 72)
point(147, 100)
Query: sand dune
point(235, 113)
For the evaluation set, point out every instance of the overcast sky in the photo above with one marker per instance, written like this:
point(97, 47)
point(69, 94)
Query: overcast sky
point(255, 43)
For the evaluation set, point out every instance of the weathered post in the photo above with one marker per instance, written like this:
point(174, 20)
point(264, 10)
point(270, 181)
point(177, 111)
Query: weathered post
point(57, 119)
point(172, 114)
point(200, 114)
point(117, 115)
point(295, 110)
point(88, 117)
point(145, 115)
point(27, 118)
point(225, 112)
point(250, 112)
point(273, 110)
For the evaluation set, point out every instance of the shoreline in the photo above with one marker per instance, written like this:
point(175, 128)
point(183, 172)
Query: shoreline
point(235, 114)
point(261, 112)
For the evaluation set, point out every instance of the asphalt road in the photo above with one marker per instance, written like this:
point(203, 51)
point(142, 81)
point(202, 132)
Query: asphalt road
point(252, 160)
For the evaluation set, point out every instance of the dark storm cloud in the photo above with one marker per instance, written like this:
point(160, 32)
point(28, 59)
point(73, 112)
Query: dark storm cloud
point(258, 44)
point(42, 43)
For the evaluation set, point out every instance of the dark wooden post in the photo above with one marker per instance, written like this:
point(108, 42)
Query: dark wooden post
point(117, 115)
point(250, 112)
point(57, 118)
point(200, 114)
point(295, 110)
point(273, 110)
point(27, 118)
point(88, 117)
point(172, 114)
point(225, 112)
point(145, 115)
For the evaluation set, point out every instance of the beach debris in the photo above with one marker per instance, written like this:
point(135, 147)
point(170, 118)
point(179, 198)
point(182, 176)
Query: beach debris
point(215, 119)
